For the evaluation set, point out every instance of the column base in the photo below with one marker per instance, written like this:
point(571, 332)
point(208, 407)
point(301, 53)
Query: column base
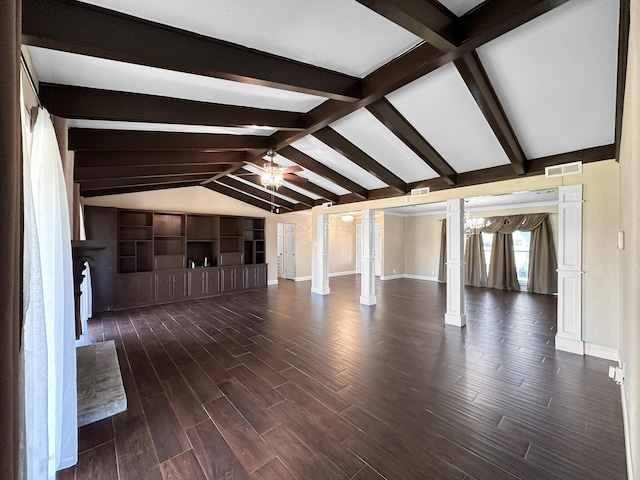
point(455, 319)
point(569, 345)
point(320, 290)
point(368, 299)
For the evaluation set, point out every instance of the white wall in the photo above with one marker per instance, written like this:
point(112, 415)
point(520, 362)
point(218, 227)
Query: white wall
point(629, 291)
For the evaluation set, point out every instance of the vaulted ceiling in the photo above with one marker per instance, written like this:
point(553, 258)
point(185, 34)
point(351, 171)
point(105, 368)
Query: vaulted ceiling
point(370, 98)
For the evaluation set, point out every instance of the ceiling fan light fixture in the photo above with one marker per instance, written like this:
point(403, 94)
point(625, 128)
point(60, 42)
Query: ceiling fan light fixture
point(272, 175)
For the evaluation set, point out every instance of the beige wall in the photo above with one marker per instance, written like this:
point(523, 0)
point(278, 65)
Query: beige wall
point(629, 200)
point(393, 246)
point(342, 245)
point(196, 200)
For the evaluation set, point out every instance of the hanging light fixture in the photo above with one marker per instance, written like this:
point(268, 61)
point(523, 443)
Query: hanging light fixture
point(272, 176)
point(472, 225)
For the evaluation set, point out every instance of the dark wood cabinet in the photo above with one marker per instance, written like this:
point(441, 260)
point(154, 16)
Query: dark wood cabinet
point(256, 276)
point(150, 255)
point(171, 286)
point(101, 224)
point(134, 290)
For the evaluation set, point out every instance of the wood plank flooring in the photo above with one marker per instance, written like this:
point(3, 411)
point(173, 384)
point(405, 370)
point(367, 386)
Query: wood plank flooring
point(280, 384)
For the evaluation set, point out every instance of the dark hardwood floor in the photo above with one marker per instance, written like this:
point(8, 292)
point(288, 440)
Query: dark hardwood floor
point(280, 384)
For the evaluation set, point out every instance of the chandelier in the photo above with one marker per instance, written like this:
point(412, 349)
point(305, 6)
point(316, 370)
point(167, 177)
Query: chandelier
point(473, 225)
point(272, 175)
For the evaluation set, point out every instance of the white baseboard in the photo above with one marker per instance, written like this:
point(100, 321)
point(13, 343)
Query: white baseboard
point(602, 352)
point(625, 423)
point(421, 277)
point(392, 277)
point(302, 279)
point(569, 345)
point(321, 290)
point(272, 282)
point(340, 274)
point(409, 275)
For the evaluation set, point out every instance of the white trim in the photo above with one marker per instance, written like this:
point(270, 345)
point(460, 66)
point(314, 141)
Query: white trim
point(421, 277)
point(320, 290)
point(599, 351)
point(627, 427)
point(302, 279)
point(455, 319)
point(392, 277)
point(569, 345)
point(368, 299)
point(340, 274)
point(272, 282)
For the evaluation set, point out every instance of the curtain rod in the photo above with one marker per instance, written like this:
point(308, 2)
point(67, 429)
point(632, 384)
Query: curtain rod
point(30, 78)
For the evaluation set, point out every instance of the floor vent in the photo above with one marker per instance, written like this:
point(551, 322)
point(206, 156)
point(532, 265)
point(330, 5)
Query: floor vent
point(564, 169)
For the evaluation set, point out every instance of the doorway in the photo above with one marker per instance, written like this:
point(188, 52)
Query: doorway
point(286, 250)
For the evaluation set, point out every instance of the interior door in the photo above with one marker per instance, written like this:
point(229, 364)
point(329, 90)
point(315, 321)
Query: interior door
point(290, 251)
point(280, 248)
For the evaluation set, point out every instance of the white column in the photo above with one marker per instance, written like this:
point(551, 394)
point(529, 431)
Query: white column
point(455, 264)
point(569, 334)
point(321, 277)
point(367, 278)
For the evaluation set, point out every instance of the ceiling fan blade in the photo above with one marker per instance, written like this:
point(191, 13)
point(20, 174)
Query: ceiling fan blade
point(294, 177)
point(291, 169)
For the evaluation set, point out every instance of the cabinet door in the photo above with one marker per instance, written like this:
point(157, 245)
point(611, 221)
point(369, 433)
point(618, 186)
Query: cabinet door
point(180, 285)
point(101, 224)
point(240, 278)
point(213, 281)
point(145, 291)
point(227, 280)
point(163, 286)
point(125, 291)
point(197, 283)
point(250, 277)
point(261, 276)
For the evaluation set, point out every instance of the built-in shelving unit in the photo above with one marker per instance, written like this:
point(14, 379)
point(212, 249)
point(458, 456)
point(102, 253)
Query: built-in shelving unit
point(156, 257)
point(135, 241)
point(254, 246)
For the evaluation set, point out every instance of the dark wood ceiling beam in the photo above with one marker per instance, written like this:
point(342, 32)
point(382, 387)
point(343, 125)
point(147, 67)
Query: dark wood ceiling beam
point(384, 111)
point(137, 188)
point(287, 192)
point(130, 182)
point(87, 139)
point(230, 192)
point(261, 194)
point(310, 187)
point(95, 104)
point(470, 68)
point(347, 149)
point(623, 49)
point(76, 27)
point(425, 19)
point(84, 159)
point(318, 168)
point(99, 173)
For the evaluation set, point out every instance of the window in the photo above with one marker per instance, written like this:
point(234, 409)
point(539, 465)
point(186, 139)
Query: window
point(521, 251)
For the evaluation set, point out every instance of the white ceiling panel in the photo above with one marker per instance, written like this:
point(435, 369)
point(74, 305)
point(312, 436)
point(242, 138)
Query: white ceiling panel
point(54, 66)
point(332, 159)
point(340, 35)
point(312, 177)
point(167, 127)
point(460, 7)
point(253, 185)
point(440, 106)
point(556, 77)
point(366, 132)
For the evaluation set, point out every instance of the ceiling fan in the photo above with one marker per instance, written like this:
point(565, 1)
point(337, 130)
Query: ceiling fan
point(273, 175)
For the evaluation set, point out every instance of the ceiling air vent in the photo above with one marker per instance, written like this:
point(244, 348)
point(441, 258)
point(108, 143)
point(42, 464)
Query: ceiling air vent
point(564, 169)
point(327, 205)
point(419, 192)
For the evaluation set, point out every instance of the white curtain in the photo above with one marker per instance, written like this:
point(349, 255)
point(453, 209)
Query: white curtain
point(50, 357)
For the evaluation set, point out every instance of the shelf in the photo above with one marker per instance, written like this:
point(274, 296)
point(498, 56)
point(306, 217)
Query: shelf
point(169, 225)
point(124, 225)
